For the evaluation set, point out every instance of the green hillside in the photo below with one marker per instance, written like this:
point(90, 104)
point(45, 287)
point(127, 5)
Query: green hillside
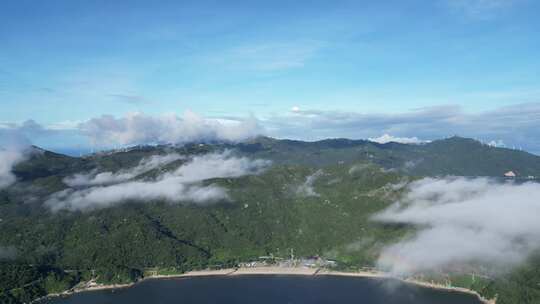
point(452, 156)
point(266, 214)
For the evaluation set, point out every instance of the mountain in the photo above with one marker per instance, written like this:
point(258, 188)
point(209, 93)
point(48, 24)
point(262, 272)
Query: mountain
point(316, 198)
point(452, 156)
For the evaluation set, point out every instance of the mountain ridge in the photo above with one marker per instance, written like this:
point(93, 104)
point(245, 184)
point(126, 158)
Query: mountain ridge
point(450, 156)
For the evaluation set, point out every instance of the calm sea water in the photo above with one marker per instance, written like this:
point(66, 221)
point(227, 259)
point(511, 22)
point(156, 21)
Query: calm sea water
point(270, 290)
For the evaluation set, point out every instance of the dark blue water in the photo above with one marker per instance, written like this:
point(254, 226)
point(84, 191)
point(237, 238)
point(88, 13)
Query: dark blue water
point(270, 290)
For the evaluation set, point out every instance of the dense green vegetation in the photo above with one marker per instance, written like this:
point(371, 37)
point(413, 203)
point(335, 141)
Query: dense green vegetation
point(453, 156)
point(24, 282)
point(266, 215)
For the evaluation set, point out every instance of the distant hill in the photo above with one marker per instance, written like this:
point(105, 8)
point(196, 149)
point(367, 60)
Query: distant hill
point(452, 156)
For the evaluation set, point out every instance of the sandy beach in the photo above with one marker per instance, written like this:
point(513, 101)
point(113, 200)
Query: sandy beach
point(454, 289)
point(274, 270)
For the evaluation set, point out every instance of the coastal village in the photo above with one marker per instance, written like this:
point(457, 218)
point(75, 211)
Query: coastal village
point(291, 262)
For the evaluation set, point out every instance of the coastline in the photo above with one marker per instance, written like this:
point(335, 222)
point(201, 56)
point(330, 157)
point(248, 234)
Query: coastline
point(271, 270)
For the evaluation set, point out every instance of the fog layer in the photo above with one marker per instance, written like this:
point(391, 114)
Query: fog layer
point(461, 220)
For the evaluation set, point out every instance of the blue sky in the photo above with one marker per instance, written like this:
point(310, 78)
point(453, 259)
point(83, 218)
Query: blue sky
point(66, 62)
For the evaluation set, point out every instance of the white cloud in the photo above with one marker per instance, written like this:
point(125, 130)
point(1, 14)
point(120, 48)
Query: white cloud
point(515, 125)
point(14, 148)
point(138, 128)
point(463, 221)
point(306, 189)
point(8, 159)
point(496, 143)
point(386, 138)
point(182, 185)
point(107, 178)
point(170, 189)
point(358, 168)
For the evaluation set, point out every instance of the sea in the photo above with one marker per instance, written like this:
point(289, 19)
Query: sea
point(270, 289)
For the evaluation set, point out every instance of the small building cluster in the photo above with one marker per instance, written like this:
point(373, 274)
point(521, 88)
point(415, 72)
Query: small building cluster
point(316, 262)
point(311, 262)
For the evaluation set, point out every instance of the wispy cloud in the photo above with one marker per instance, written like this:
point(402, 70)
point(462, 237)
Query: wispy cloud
point(182, 185)
point(128, 98)
point(480, 9)
point(106, 178)
point(307, 188)
point(268, 57)
point(462, 221)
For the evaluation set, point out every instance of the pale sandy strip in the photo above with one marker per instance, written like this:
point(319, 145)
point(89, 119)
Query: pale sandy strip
point(276, 270)
point(196, 273)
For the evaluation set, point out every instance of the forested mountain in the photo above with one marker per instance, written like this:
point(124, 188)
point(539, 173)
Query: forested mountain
point(315, 198)
point(451, 156)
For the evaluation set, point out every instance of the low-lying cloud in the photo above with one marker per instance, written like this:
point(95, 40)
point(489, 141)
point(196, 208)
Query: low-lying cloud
point(386, 138)
point(460, 221)
point(138, 128)
point(358, 168)
point(8, 159)
point(307, 189)
point(181, 185)
point(107, 178)
point(496, 143)
point(13, 150)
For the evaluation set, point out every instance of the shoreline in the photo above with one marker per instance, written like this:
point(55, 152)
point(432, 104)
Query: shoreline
point(271, 270)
